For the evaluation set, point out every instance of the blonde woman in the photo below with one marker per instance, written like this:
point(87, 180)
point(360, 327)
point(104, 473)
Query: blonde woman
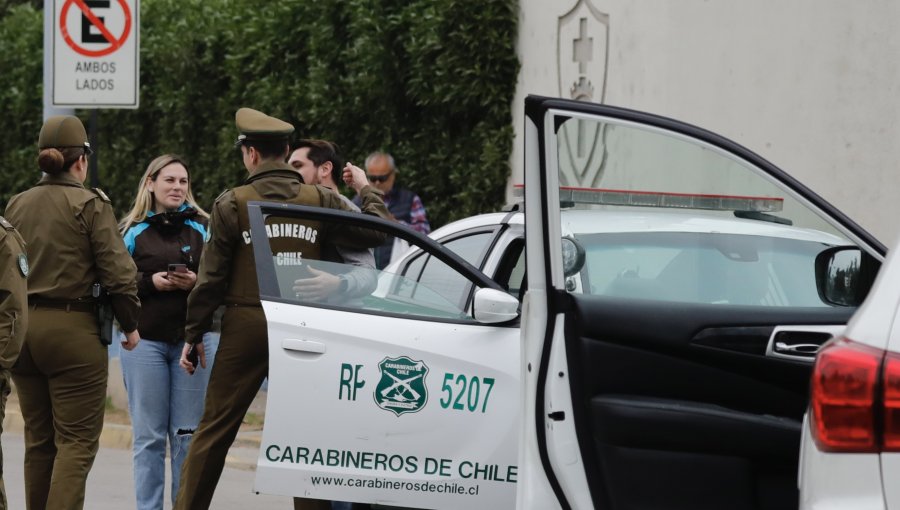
point(164, 232)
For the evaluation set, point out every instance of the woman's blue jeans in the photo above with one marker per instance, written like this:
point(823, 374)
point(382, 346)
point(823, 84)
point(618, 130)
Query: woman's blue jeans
point(165, 403)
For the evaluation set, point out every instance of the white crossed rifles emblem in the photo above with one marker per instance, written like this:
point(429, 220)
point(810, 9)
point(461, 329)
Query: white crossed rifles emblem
point(402, 386)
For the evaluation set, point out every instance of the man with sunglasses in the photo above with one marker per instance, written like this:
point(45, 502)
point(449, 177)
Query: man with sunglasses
point(404, 205)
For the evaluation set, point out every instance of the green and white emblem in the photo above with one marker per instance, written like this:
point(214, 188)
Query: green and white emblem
point(23, 265)
point(402, 386)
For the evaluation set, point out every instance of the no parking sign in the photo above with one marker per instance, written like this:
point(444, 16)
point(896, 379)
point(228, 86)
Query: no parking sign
point(95, 53)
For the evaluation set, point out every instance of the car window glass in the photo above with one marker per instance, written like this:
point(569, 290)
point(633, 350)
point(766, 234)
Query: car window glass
point(659, 171)
point(702, 268)
point(517, 276)
point(662, 216)
point(511, 270)
point(470, 247)
point(302, 279)
point(413, 268)
point(439, 277)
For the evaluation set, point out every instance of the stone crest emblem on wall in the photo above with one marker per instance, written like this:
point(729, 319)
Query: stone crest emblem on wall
point(582, 58)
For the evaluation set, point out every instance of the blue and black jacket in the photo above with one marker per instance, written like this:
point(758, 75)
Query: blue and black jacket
point(175, 237)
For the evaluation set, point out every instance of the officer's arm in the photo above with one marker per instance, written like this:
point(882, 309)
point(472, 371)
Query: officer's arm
point(373, 202)
point(13, 298)
point(215, 269)
point(352, 236)
point(115, 267)
point(362, 279)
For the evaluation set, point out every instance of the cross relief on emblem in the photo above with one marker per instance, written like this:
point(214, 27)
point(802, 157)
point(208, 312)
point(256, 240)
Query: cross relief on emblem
point(582, 60)
point(582, 47)
point(582, 53)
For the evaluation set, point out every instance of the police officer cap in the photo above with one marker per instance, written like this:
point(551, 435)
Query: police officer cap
point(256, 125)
point(64, 131)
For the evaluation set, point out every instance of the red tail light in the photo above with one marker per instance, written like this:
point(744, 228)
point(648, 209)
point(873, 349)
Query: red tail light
point(890, 380)
point(855, 399)
point(843, 397)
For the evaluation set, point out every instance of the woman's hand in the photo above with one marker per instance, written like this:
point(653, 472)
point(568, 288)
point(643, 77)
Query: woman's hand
point(183, 281)
point(131, 340)
point(162, 283)
point(201, 355)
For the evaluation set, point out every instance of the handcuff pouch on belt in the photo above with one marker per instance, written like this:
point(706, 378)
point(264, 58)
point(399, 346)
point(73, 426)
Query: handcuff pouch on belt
point(104, 313)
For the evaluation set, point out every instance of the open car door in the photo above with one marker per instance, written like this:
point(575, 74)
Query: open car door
point(672, 370)
point(399, 389)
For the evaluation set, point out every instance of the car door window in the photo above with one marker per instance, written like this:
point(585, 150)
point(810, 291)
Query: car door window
point(432, 274)
point(471, 247)
point(703, 268)
point(427, 288)
point(665, 217)
point(511, 270)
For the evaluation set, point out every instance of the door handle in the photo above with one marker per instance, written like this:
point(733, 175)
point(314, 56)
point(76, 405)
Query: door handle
point(796, 348)
point(800, 343)
point(293, 344)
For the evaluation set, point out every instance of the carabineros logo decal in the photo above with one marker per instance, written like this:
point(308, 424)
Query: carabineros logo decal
point(402, 386)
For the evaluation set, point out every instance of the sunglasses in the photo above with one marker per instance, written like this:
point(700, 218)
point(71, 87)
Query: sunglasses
point(379, 178)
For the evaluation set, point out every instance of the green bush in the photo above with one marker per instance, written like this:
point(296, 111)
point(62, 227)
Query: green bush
point(430, 81)
point(21, 96)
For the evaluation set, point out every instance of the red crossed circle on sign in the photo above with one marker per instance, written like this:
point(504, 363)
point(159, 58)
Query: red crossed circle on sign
point(114, 42)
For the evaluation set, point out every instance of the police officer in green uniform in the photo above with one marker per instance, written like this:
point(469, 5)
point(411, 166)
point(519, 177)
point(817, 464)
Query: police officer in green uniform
point(73, 243)
point(13, 315)
point(228, 275)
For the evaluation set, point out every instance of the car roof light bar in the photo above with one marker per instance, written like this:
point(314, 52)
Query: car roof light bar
point(600, 196)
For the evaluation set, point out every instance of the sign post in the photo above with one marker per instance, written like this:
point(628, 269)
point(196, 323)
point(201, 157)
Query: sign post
point(96, 48)
point(95, 59)
point(49, 109)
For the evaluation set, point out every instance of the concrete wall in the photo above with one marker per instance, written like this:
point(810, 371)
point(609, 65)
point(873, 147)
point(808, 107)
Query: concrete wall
point(810, 85)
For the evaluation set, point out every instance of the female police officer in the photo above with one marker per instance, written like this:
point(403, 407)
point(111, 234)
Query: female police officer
point(72, 242)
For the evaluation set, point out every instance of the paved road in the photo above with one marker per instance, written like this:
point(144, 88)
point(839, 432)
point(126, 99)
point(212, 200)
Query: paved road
point(110, 485)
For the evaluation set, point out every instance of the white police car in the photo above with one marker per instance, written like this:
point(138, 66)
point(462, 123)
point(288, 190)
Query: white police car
point(851, 435)
point(652, 348)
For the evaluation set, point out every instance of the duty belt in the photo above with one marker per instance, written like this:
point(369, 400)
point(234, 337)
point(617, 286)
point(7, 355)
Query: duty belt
point(62, 304)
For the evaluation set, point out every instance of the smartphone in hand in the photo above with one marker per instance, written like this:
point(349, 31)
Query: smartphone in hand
point(176, 268)
point(193, 356)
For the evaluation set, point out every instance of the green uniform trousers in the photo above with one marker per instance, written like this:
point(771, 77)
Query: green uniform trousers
point(242, 363)
point(4, 395)
point(61, 380)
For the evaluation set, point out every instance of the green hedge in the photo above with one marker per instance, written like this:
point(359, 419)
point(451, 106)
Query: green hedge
point(431, 81)
point(21, 37)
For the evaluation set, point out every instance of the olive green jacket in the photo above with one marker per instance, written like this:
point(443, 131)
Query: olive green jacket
point(276, 182)
point(73, 242)
point(13, 294)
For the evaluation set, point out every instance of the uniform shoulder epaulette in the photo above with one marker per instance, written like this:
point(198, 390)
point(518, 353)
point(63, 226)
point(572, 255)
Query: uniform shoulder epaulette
point(6, 224)
point(99, 192)
point(222, 194)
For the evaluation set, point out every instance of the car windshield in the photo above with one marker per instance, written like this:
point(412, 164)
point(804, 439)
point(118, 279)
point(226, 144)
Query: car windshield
point(713, 268)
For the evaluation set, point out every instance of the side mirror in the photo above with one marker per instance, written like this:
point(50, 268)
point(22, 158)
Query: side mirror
point(841, 276)
point(492, 306)
point(572, 255)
